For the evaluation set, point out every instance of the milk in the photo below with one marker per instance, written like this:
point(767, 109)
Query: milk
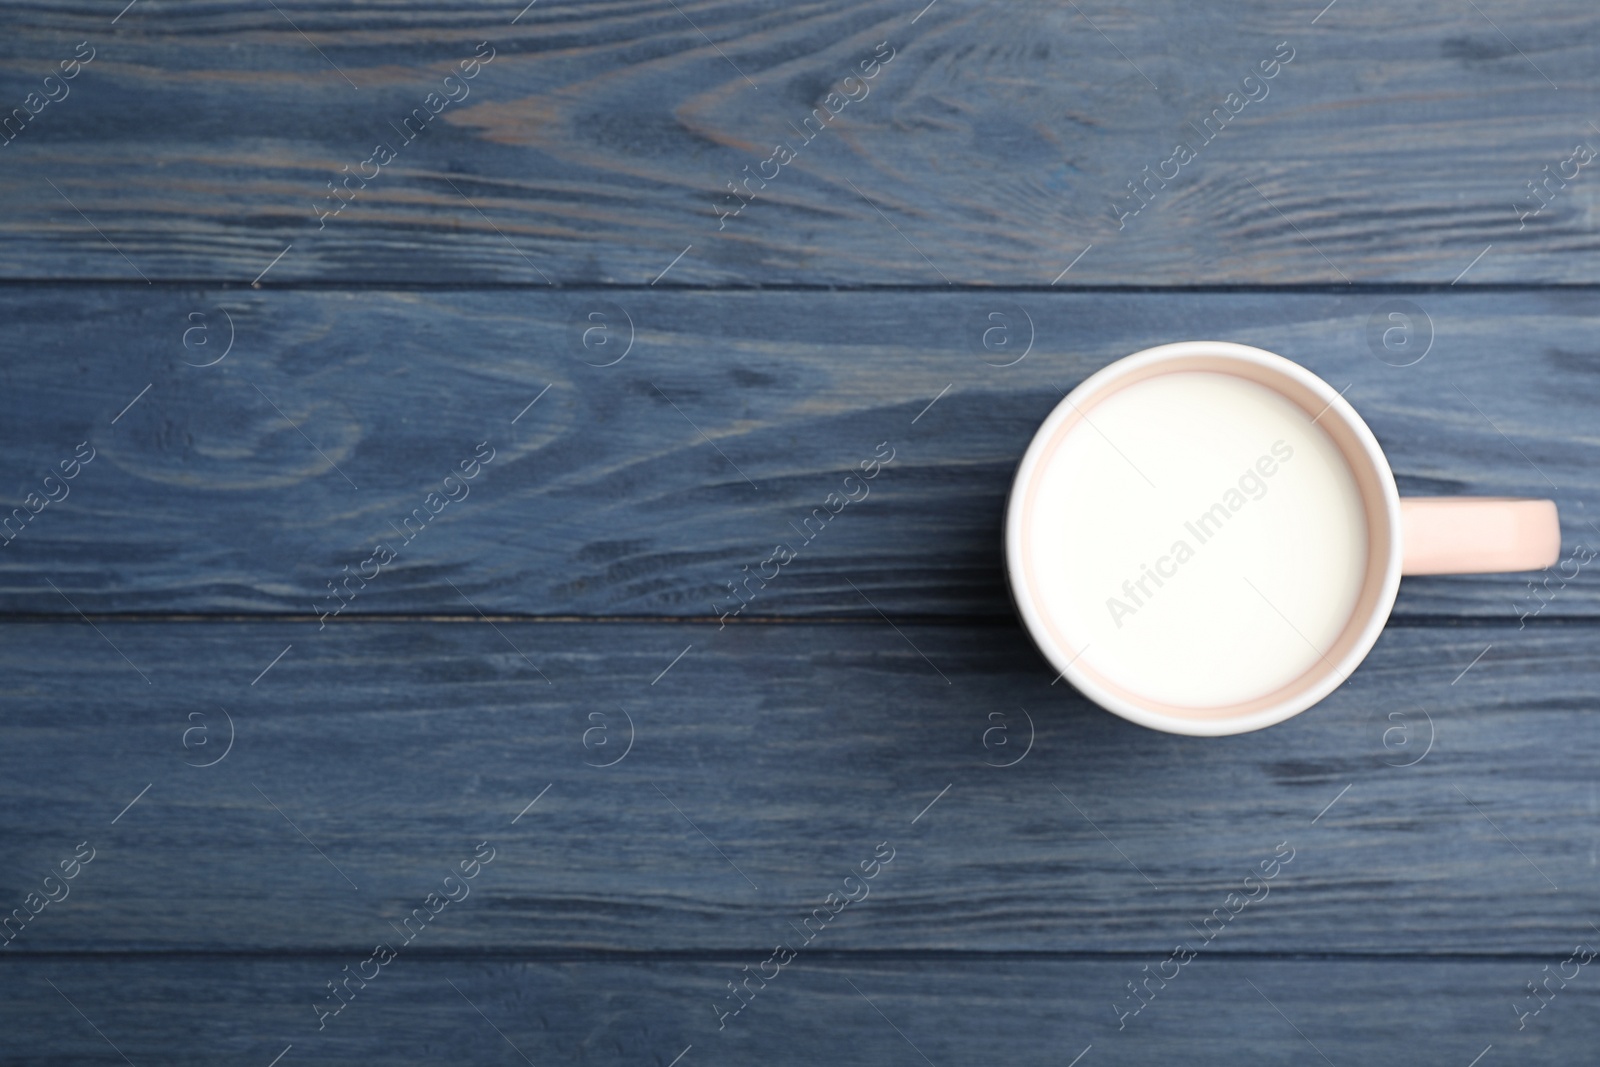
point(1198, 539)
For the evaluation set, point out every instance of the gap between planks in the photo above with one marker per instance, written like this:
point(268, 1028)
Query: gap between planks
point(740, 955)
point(332, 285)
point(1469, 622)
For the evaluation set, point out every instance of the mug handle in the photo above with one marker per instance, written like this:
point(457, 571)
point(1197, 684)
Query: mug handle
point(1477, 534)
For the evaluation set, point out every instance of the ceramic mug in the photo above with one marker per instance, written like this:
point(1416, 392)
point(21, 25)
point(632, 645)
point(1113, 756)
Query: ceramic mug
point(1254, 527)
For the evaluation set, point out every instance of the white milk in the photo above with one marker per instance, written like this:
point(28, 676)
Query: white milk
point(1175, 563)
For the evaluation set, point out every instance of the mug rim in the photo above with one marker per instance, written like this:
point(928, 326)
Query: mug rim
point(1311, 687)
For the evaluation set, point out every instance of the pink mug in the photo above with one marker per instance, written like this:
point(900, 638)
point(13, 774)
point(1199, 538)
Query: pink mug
point(1205, 538)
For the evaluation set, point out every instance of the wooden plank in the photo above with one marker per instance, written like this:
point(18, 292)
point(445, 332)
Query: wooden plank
point(767, 763)
point(828, 1010)
point(599, 144)
point(648, 486)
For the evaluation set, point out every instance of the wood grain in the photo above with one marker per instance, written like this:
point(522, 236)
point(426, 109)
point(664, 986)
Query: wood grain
point(946, 1011)
point(647, 486)
point(599, 143)
point(768, 762)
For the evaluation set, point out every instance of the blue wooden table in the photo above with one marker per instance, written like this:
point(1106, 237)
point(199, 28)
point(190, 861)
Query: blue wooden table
point(403, 410)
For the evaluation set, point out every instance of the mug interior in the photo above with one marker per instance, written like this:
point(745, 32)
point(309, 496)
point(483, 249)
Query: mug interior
point(1328, 413)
